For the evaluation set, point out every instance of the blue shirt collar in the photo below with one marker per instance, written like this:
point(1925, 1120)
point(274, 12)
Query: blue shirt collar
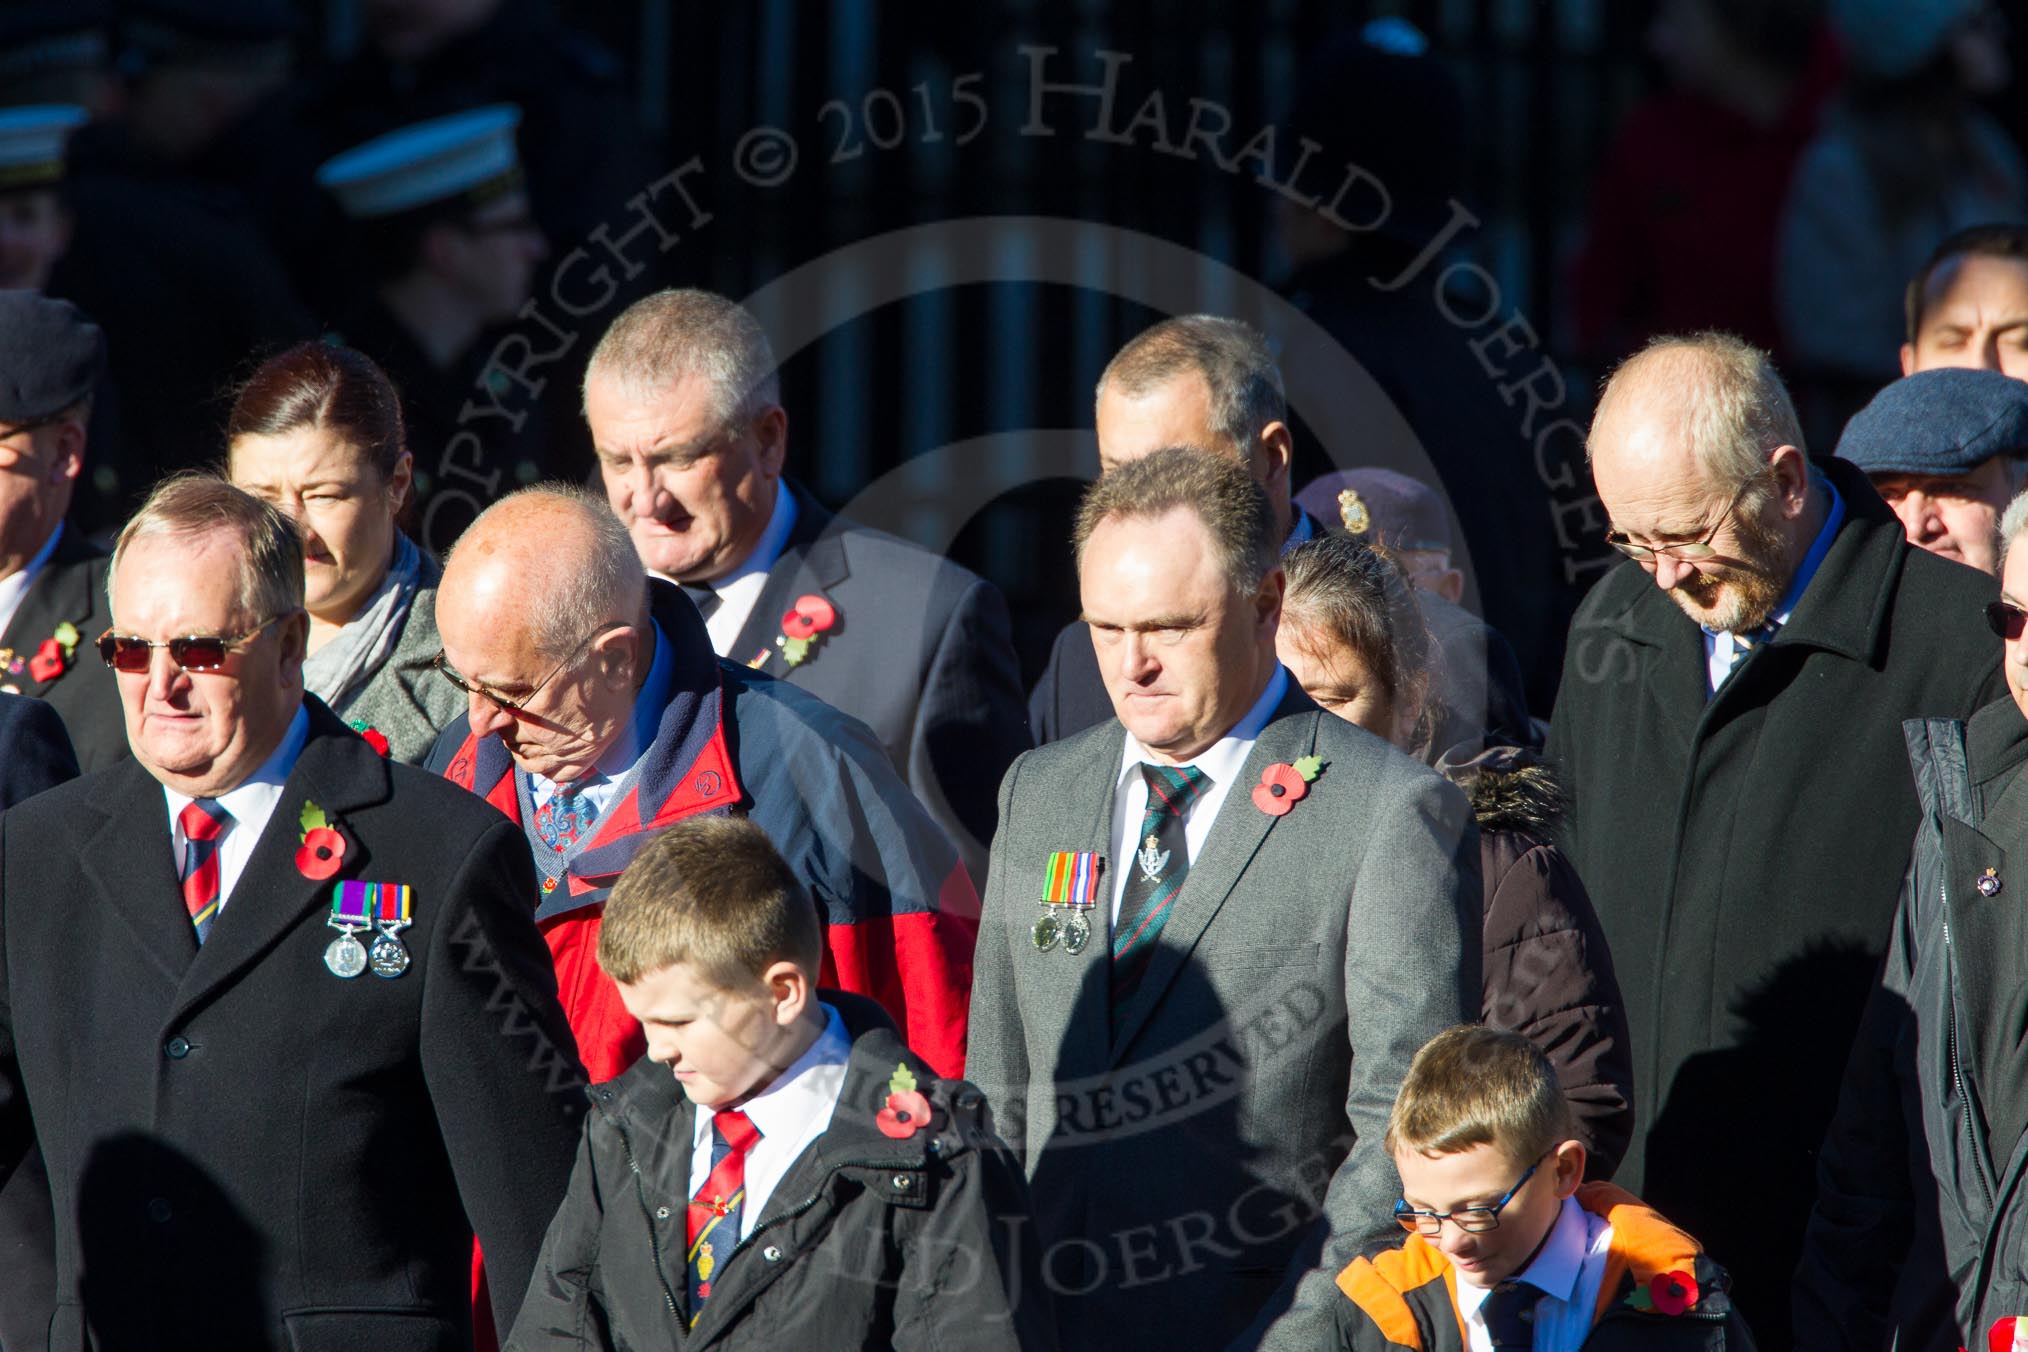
point(649, 703)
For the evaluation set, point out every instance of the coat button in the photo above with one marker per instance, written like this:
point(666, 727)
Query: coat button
point(902, 1182)
point(178, 1048)
point(661, 1213)
point(772, 1254)
point(158, 1210)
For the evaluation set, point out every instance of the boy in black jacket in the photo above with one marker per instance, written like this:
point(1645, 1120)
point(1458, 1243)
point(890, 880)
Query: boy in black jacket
point(779, 1170)
point(1507, 1247)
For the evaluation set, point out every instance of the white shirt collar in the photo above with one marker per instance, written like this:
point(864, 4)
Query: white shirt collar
point(809, 1087)
point(15, 586)
point(257, 793)
point(1223, 758)
point(1555, 1269)
point(739, 590)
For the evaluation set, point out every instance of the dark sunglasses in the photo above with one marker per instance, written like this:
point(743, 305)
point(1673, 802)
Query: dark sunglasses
point(198, 652)
point(2005, 619)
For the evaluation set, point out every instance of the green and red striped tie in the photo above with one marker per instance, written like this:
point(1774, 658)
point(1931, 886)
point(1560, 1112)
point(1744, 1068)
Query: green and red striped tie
point(1155, 871)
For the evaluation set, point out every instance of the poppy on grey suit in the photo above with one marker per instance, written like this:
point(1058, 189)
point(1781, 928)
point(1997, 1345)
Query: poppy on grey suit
point(1194, 1159)
point(245, 1151)
point(921, 653)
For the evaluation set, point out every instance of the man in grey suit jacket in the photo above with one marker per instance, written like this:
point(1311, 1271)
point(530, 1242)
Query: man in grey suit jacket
point(685, 410)
point(1213, 939)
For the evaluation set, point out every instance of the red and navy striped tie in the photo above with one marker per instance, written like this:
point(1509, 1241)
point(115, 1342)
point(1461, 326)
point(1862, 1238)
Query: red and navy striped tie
point(1158, 859)
point(204, 823)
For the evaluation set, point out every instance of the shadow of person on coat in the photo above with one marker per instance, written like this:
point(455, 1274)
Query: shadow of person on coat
point(1171, 1201)
point(167, 1259)
point(1732, 1157)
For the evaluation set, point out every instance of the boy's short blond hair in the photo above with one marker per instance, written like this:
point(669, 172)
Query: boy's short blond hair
point(715, 893)
point(1471, 1086)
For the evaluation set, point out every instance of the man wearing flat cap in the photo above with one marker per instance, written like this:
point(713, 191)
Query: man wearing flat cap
point(1946, 448)
point(52, 579)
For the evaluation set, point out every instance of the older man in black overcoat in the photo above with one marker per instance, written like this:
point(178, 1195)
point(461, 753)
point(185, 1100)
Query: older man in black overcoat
point(1730, 727)
point(273, 1007)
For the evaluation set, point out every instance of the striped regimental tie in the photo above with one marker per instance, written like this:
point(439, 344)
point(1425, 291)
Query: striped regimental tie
point(715, 1210)
point(1155, 872)
point(204, 824)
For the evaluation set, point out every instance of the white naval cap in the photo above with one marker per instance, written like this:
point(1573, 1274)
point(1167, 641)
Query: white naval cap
point(32, 141)
point(466, 154)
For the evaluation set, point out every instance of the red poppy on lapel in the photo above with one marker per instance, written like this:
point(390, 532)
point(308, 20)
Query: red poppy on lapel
point(1283, 785)
point(375, 738)
point(48, 662)
point(323, 850)
point(907, 1111)
point(812, 617)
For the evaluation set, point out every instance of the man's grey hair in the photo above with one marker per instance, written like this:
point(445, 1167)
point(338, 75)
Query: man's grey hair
point(197, 504)
point(1233, 507)
point(1234, 359)
point(1728, 397)
point(664, 338)
point(2012, 522)
point(597, 580)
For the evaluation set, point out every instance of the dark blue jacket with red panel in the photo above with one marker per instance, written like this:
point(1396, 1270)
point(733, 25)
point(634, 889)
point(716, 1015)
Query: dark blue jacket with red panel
point(900, 911)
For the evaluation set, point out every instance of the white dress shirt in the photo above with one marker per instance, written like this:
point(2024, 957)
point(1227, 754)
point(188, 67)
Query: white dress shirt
point(250, 805)
point(15, 585)
point(1568, 1270)
point(790, 1113)
point(740, 589)
point(1221, 763)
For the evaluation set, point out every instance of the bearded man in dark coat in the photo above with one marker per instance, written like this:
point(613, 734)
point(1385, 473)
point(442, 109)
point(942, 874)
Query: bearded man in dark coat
point(1730, 726)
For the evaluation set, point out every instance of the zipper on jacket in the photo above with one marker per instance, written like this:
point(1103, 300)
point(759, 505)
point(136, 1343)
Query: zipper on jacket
point(1951, 1037)
point(654, 1239)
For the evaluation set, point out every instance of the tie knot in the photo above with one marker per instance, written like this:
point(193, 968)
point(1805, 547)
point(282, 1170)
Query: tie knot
point(1174, 788)
point(736, 1129)
point(705, 598)
point(203, 819)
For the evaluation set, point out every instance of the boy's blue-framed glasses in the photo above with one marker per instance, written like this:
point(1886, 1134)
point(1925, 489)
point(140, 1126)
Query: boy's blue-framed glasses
point(1473, 1220)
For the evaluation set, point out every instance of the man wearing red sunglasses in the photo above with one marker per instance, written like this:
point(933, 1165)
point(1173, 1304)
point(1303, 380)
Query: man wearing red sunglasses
point(261, 1131)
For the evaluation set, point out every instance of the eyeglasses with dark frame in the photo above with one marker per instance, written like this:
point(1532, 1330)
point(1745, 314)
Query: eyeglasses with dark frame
point(1688, 552)
point(1473, 1220)
point(516, 708)
point(193, 652)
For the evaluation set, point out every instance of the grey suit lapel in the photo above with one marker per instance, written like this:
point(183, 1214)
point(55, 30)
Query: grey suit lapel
point(812, 560)
point(1235, 838)
point(1065, 995)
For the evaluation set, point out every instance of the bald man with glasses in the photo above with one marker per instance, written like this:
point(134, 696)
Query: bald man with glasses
point(599, 714)
point(1730, 727)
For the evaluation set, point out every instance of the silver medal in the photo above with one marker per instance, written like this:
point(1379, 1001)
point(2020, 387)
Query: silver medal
point(1046, 932)
point(389, 957)
point(346, 956)
point(1076, 933)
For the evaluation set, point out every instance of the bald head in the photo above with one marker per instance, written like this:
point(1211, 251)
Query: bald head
point(543, 610)
point(1698, 460)
point(555, 559)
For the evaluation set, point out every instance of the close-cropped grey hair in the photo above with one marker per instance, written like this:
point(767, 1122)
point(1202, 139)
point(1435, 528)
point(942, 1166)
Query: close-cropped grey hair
point(1233, 508)
point(661, 339)
point(597, 579)
point(1238, 367)
point(1727, 396)
point(271, 561)
point(2012, 522)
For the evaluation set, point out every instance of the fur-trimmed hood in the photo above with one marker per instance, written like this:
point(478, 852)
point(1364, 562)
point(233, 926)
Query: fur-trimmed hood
point(1511, 788)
